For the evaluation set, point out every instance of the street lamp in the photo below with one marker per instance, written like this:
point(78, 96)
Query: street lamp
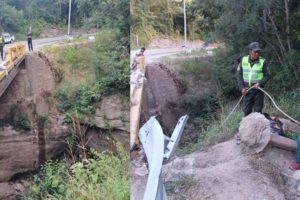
point(184, 16)
point(69, 23)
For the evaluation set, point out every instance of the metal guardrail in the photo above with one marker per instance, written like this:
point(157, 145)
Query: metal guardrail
point(10, 66)
point(158, 147)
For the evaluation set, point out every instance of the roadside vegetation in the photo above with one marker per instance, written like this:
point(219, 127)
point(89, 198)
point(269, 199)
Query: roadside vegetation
point(18, 15)
point(105, 176)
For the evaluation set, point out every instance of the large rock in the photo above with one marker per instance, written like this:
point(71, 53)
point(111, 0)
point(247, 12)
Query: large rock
point(22, 151)
point(255, 132)
point(112, 113)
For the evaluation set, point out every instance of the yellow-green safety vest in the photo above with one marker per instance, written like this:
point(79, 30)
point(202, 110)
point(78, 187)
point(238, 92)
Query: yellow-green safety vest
point(252, 74)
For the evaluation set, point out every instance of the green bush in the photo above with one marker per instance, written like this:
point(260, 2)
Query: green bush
point(201, 106)
point(23, 123)
point(77, 57)
point(106, 177)
point(110, 55)
point(80, 99)
point(59, 74)
point(18, 122)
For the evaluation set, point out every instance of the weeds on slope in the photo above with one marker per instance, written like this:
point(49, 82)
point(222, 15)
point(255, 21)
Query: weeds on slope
point(211, 131)
point(102, 177)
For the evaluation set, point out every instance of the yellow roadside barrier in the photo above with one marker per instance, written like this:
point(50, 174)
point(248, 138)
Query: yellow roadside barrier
point(14, 55)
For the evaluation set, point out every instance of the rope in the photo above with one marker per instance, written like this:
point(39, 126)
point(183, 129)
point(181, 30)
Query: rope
point(278, 107)
point(235, 106)
point(270, 99)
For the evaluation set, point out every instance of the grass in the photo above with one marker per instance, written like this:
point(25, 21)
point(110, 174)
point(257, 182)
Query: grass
point(287, 101)
point(214, 132)
point(179, 185)
point(73, 65)
point(210, 131)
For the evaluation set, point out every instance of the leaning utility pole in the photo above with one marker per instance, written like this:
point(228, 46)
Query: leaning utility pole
point(184, 16)
point(69, 22)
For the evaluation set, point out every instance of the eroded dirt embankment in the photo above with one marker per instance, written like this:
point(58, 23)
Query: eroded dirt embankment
point(162, 96)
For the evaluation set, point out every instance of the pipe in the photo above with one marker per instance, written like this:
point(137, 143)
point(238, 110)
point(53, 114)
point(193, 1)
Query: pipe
point(283, 142)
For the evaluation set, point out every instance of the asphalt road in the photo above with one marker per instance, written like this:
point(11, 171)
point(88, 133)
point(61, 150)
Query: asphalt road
point(37, 43)
point(153, 55)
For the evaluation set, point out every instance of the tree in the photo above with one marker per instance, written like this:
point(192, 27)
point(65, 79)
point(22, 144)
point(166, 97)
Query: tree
point(239, 22)
point(10, 18)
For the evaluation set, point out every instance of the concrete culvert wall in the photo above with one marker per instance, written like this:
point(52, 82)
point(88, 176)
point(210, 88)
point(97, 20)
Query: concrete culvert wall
point(162, 96)
point(30, 98)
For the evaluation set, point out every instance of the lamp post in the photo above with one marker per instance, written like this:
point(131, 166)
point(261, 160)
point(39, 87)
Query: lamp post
point(69, 22)
point(184, 16)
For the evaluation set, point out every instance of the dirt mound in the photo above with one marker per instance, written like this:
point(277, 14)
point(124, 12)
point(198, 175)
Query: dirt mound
point(162, 96)
point(224, 172)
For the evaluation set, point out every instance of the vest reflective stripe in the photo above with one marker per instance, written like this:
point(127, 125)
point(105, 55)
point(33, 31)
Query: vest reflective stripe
point(252, 74)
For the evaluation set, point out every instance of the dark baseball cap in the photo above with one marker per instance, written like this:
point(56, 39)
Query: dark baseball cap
point(254, 46)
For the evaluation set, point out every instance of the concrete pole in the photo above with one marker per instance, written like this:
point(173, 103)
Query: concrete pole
point(184, 16)
point(69, 22)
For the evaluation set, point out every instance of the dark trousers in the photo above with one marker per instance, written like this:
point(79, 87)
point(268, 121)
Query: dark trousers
point(29, 41)
point(1, 51)
point(253, 100)
point(298, 150)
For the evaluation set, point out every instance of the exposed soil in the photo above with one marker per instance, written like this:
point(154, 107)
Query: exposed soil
point(162, 96)
point(177, 43)
point(54, 32)
point(224, 172)
point(221, 172)
point(169, 43)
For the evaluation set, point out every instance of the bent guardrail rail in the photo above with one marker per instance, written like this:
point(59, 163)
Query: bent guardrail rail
point(10, 66)
point(158, 147)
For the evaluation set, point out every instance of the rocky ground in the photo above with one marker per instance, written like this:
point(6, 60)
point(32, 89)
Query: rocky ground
point(227, 170)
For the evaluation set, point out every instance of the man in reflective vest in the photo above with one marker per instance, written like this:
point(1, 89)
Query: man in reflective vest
point(253, 71)
point(2, 43)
